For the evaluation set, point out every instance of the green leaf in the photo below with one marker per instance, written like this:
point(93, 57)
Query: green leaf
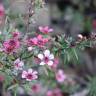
point(75, 53)
point(92, 87)
point(13, 86)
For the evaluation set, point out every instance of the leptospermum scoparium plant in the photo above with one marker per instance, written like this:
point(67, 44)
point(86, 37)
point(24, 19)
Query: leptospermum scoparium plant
point(22, 58)
point(16, 51)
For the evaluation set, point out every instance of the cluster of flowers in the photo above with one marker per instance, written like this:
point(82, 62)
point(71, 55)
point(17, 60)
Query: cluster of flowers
point(12, 45)
point(45, 57)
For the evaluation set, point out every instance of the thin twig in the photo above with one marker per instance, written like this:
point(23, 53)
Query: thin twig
point(30, 14)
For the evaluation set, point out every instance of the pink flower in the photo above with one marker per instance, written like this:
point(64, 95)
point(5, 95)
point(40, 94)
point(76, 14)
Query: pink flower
point(11, 45)
point(2, 10)
point(45, 29)
point(36, 88)
point(29, 75)
point(37, 41)
point(55, 92)
point(18, 64)
point(46, 58)
point(16, 34)
point(60, 76)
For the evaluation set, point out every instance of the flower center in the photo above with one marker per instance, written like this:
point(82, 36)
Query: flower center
point(34, 87)
point(46, 59)
point(59, 76)
point(17, 65)
point(40, 42)
point(12, 42)
point(46, 30)
point(29, 76)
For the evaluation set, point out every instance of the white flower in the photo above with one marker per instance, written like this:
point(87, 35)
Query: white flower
point(46, 58)
point(29, 75)
point(18, 65)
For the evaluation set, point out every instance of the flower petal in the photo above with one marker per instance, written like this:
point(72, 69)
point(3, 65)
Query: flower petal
point(40, 28)
point(50, 30)
point(51, 56)
point(50, 63)
point(42, 63)
point(39, 37)
point(35, 77)
point(47, 53)
point(24, 74)
point(17, 61)
point(21, 64)
point(30, 71)
point(35, 40)
point(40, 56)
point(28, 79)
point(35, 72)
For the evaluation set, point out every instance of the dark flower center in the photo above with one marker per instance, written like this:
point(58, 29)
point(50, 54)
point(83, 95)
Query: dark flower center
point(12, 42)
point(40, 42)
point(46, 59)
point(34, 87)
point(29, 76)
point(17, 65)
